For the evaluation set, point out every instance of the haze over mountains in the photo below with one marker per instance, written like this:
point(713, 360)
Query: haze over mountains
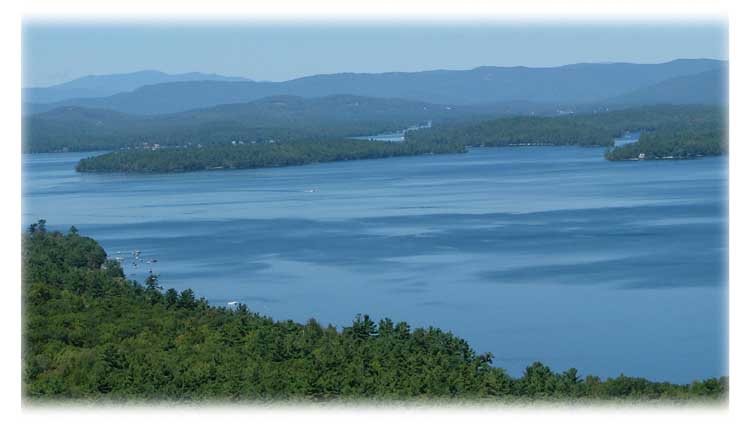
point(709, 87)
point(150, 92)
point(184, 111)
point(107, 85)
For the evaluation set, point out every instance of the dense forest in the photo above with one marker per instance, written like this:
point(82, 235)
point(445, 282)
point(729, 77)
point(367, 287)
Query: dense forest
point(678, 131)
point(587, 129)
point(91, 334)
point(698, 140)
point(279, 118)
point(252, 156)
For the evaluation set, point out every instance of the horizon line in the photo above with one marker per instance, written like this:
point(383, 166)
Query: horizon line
point(154, 70)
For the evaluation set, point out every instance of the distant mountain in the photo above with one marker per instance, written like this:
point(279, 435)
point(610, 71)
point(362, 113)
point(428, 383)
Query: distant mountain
point(277, 117)
point(709, 87)
point(567, 85)
point(107, 85)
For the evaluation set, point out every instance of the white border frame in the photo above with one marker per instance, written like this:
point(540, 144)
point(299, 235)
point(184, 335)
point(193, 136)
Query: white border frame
point(361, 421)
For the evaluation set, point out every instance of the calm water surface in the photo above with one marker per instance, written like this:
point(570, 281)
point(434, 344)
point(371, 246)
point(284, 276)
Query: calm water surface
point(531, 253)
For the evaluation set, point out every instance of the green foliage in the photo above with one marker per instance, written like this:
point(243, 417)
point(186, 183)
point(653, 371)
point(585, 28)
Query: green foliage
point(692, 140)
point(669, 130)
point(279, 118)
point(253, 156)
point(91, 334)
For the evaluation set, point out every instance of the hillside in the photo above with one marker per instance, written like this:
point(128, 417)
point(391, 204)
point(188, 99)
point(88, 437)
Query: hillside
point(592, 129)
point(91, 335)
point(274, 118)
point(566, 85)
point(707, 88)
point(688, 123)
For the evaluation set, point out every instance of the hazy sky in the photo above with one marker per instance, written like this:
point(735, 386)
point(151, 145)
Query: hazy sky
point(55, 53)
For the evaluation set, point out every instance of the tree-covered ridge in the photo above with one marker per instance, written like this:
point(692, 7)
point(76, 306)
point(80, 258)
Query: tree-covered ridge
point(590, 129)
point(91, 334)
point(278, 118)
point(251, 156)
point(678, 142)
point(688, 125)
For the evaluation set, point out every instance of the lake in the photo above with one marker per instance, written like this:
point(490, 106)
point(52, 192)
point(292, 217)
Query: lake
point(396, 136)
point(531, 253)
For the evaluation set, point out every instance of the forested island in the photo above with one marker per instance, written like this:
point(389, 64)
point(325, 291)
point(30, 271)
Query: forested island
point(276, 154)
point(669, 131)
point(90, 334)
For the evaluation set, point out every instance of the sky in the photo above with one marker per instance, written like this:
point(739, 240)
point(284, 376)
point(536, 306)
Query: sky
point(58, 52)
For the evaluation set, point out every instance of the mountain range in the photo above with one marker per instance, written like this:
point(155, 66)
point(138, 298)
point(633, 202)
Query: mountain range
point(708, 87)
point(589, 84)
point(106, 85)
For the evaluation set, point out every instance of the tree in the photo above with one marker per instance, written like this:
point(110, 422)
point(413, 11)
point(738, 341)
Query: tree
point(171, 297)
point(537, 379)
point(152, 282)
point(571, 376)
point(363, 327)
point(403, 330)
point(113, 268)
point(153, 290)
point(39, 227)
point(385, 327)
point(187, 299)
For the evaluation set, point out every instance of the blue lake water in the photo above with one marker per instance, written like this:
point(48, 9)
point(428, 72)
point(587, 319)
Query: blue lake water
point(627, 138)
point(394, 137)
point(531, 253)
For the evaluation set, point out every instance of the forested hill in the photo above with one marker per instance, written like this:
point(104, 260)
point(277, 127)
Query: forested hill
point(705, 88)
point(590, 129)
point(690, 126)
point(274, 118)
point(90, 334)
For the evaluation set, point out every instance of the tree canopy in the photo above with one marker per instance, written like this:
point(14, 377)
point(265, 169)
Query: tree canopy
point(254, 156)
point(585, 129)
point(91, 334)
point(667, 131)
